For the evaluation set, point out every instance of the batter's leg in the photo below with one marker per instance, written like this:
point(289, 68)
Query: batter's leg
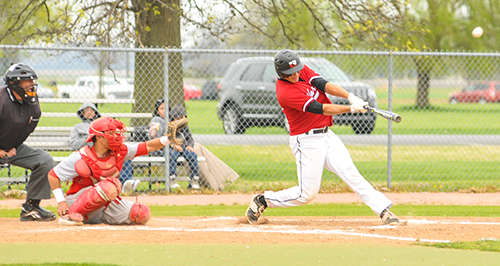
point(339, 161)
point(309, 152)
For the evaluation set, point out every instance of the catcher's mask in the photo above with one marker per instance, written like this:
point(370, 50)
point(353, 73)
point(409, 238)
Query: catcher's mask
point(111, 129)
point(287, 62)
point(15, 74)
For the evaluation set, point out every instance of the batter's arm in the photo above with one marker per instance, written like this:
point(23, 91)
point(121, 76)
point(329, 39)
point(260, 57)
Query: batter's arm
point(335, 109)
point(336, 90)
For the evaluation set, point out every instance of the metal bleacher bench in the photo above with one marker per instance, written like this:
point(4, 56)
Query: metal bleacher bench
point(57, 139)
point(146, 161)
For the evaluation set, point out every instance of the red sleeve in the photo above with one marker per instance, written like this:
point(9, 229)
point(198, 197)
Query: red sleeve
point(308, 74)
point(142, 149)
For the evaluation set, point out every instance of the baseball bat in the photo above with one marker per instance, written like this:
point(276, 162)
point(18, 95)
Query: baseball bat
point(385, 114)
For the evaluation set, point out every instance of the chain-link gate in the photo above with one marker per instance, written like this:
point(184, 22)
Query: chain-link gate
point(448, 140)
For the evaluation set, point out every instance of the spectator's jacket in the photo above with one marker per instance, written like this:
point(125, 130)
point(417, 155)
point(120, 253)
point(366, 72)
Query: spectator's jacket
point(80, 132)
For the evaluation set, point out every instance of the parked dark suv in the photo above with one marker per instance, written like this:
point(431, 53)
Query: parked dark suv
point(247, 95)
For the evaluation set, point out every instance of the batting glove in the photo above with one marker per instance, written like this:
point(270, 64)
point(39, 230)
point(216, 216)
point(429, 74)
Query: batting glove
point(353, 99)
point(359, 108)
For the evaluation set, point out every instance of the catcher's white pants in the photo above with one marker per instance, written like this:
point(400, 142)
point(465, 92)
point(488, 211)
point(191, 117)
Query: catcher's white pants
point(313, 153)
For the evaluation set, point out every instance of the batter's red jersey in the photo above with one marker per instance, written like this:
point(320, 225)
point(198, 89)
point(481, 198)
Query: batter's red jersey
point(294, 98)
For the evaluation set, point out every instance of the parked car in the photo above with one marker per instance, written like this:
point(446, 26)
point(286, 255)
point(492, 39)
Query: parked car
point(209, 90)
point(247, 95)
point(479, 92)
point(191, 91)
point(87, 87)
point(44, 92)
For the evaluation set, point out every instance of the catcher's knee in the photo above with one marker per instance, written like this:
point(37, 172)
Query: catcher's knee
point(111, 188)
point(97, 196)
point(140, 213)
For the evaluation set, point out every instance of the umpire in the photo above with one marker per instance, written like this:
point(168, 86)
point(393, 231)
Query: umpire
point(19, 116)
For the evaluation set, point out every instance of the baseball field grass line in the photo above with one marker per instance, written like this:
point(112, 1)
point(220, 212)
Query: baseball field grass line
point(238, 254)
point(348, 209)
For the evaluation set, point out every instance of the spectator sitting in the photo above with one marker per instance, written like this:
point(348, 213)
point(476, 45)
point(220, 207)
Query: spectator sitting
point(88, 113)
point(157, 129)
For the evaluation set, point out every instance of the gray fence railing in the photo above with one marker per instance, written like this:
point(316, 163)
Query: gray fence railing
point(449, 139)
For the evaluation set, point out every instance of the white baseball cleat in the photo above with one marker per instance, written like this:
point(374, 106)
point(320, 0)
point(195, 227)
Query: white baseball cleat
point(389, 218)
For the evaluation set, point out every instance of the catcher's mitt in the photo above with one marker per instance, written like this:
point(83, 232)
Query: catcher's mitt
point(173, 134)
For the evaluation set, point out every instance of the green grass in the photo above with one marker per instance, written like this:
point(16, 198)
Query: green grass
point(238, 254)
point(483, 245)
point(353, 209)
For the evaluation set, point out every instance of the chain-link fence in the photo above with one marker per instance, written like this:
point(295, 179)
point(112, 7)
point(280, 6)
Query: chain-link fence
point(449, 139)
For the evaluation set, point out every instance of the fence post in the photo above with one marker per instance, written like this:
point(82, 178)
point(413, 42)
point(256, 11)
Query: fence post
point(167, 114)
point(389, 128)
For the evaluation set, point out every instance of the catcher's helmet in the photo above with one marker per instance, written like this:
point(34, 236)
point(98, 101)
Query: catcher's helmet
point(111, 129)
point(18, 72)
point(287, 62)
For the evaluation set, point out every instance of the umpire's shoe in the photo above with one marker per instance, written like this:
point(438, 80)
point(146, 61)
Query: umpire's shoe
point(389, 218)
point(257, 206)
point(31, 211)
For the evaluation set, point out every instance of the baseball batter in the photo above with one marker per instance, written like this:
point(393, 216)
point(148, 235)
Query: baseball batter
point(302, 95)
point(93, 196)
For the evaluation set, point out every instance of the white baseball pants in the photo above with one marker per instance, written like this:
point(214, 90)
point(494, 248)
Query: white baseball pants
point(314, 152)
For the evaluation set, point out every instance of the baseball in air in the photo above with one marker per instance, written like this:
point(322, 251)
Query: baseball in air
point(477, 32)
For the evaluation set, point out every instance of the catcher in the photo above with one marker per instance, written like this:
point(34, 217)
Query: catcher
point(93, 196)
point(182, 142)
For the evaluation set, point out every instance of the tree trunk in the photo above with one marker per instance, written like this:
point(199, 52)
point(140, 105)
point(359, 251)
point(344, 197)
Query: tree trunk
point(424, 69)
point(157, 26)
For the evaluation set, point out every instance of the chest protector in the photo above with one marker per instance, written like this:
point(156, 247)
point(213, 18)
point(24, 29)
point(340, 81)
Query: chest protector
point(91, 169)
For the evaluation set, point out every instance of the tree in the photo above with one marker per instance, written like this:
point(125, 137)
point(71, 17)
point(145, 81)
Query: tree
point(143, 23)
point(150, 20)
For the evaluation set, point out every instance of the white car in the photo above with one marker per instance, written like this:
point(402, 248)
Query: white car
point(44, 92)
point(88, 87)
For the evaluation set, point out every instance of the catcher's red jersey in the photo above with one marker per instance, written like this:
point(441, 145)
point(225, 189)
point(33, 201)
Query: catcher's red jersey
point(294, 98)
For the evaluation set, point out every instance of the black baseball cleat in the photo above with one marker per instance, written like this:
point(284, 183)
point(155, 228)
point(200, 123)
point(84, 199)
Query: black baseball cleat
point(31, 212)
point(256, 208)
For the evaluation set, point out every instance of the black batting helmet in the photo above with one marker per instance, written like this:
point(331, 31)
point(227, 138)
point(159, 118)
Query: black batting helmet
point(287, 62)
point(15, 74)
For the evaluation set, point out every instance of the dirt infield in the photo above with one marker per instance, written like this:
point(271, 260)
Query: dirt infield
point(275, 230)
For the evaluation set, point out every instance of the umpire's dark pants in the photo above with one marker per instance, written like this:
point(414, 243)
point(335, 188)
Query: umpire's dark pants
point(39, 162)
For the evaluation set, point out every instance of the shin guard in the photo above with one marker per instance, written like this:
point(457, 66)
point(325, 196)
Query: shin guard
point(140, 213)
